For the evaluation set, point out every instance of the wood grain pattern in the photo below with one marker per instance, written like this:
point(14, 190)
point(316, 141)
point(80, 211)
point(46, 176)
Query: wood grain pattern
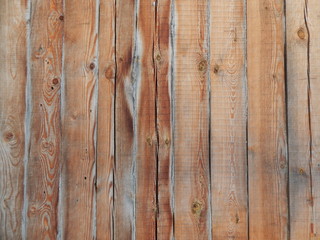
point(162, 56)
point(147, 139)
point(13, 77)
point(267, 143)
point(191, 126)
point(105, 135)
point(124, 202)
point(303, 109)
point(79, 119)
point(45, 132)
point(228, 120)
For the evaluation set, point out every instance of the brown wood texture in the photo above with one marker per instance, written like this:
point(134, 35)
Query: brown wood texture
point(13, 77)
point(228, 120)
point(124, 198)
point(303, 116)
point(105, 135)
point(267, 139)
point(191, 121)
point(79, 119)
point(159, 119)
point(45, 133)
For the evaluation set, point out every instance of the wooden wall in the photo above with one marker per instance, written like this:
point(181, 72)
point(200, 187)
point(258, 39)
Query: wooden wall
point(160, 119)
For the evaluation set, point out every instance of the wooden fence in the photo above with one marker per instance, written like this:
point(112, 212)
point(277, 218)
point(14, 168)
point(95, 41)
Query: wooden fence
point(160, 119)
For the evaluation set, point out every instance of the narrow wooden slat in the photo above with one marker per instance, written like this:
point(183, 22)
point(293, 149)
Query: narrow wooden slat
point(191, 116)
point(303, 105)
point(299, 135)
point(124, 201)
point(45, 132)
point(162, 55)
point(13, 76)
point(147, 143)
point(79, 118)
point(105, 127)
point(228, 120)
point(267, 150)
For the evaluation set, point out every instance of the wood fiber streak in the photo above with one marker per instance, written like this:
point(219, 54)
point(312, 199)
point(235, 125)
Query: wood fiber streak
point(45, 133)
point(191, 133)
point(162, 59)
point(105, 134)
point(228, 120)
point(147, 143)
point(13, 76)
point(124, 202)
point(267, 143)
point(79, 119)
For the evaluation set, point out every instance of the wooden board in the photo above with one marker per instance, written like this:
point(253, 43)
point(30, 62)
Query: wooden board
point(13, 76)
point(228, 120)
point(162, 55)
point(146, 134)
point(303, 116)
point(105, 135)
point(124, 198)
point(45, 133)
point(191, 121)
point(79, 119)
point(267, 143)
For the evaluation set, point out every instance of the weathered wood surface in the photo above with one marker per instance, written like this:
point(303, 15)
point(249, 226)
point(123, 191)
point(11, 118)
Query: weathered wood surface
point(228, 120)
point(267, 138)
point(105, 135)
point(159, 119)
point(79, 120)
point(303, 118)
point(13, 77)
point(191, 121)
point(43, 170)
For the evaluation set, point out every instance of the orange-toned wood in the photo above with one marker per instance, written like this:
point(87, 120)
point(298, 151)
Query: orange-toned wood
point(267, 138)
point(191, 121)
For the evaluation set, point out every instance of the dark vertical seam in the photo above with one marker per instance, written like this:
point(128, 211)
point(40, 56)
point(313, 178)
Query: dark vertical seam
point(156, 118)
point(287, 120)
point(247, 115)
point(309, 107)
point(114, 115)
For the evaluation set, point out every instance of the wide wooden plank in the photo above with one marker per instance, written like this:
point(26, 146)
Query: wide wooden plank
point(13, 77)
point(162, 56)
point(147, 139)
point(191, 121)
point(124, 199)
point(79, 119)
point(303, 108)
point(45, 133)
point(105, 127)
point(267, 143)
point(228, 120)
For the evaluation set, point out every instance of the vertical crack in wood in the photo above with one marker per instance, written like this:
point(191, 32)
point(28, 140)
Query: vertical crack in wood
point(309, 106)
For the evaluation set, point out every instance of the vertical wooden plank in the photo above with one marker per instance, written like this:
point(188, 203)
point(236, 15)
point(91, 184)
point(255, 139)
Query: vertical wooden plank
point(299, 135)
point(124, 202)
point(79, 118)
point(267, 151)
point(105, 127)
point(13, 75)
point(303, 90)
point(162, 55)
point(191, 116)
point(228, 120)
point(147, 142)
point(45, 132)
